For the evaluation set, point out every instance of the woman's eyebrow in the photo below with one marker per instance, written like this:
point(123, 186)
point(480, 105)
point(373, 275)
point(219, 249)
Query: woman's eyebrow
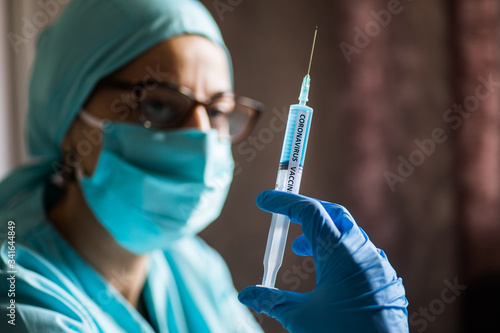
point(131, 84)
point(222, 93)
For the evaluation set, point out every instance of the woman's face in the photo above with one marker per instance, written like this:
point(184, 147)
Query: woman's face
point(189, 60)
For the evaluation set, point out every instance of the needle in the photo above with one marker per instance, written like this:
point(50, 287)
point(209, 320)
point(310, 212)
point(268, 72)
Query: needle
point(312, 51)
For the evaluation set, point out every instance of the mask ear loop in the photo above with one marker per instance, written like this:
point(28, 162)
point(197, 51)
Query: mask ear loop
point(93, 121)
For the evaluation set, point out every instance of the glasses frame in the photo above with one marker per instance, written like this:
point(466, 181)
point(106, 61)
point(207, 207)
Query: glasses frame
point(138, 88)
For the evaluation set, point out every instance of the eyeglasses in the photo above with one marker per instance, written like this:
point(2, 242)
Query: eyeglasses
point(164, 105)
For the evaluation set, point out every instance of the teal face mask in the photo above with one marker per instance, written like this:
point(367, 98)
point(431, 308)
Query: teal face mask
point(153, 187)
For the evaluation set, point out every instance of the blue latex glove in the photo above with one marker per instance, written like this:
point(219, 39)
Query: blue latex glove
point(357, 290)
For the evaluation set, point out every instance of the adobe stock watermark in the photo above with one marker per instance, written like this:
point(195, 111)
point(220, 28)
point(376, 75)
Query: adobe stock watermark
point(363, 37)
point(253, 144)
point(222, 7)
point(454, 117)
point(425, 315)
point(11, 271)
point(31, 26)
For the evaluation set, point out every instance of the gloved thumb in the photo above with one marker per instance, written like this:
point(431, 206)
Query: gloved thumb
point(271, 301)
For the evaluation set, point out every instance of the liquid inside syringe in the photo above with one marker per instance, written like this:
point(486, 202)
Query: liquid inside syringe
point(289, 176)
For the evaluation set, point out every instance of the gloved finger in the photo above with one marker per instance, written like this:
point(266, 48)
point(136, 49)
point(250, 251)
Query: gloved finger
point(365, 235)
point(273, 302)
point(301, 247)
point(316, 222)
point(382, 253)
point(340, 215)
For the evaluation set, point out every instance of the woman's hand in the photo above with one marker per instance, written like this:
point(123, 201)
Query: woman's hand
point(357, 290)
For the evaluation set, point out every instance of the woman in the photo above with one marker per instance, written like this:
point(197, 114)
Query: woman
point(130, 123)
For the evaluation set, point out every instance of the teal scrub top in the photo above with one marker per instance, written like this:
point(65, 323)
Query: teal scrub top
point(188, 287)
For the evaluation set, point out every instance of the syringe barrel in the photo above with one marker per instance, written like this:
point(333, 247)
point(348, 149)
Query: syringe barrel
point(288, 180)
point(294, 148)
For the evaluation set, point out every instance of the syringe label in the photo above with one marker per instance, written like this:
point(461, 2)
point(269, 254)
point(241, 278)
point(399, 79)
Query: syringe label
point(294, 174)
point(293, 179)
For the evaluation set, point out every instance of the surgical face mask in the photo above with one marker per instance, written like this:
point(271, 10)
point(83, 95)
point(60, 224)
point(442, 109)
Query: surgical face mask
point(153, 187)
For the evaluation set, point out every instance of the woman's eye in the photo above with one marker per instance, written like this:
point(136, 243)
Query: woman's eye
point(220, 110)
point(215, 113)
point(158, 111)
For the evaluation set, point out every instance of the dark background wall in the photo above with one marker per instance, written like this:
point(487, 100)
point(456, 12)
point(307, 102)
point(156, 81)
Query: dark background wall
point(377, 107)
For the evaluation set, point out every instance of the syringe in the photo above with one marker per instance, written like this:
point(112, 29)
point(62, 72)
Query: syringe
point(289, 175)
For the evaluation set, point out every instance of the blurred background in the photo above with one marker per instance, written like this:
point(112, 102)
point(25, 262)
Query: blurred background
point(405, 135)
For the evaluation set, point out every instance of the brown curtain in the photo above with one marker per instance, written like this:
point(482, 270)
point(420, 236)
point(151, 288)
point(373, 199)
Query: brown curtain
point(405, 134)
point(478, 139)
point(477, 84)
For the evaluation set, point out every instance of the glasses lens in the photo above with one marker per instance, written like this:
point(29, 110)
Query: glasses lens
point(243, 118)
point(163, 108)
point(219, 111)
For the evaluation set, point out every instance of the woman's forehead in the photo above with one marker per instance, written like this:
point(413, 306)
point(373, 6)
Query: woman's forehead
point(189, 60)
